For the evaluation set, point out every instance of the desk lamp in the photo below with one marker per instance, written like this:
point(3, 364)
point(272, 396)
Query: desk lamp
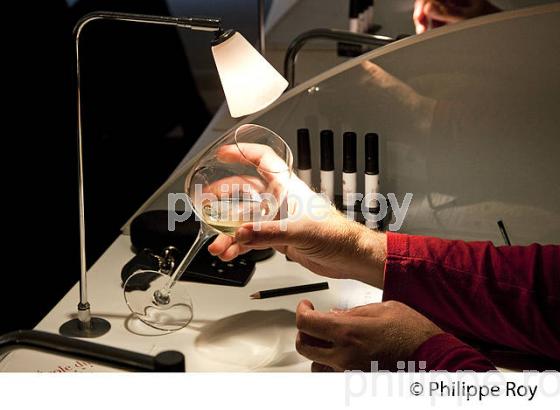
point(250, 84)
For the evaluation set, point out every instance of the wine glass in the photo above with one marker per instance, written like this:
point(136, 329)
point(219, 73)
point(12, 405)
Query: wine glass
point(241, 178)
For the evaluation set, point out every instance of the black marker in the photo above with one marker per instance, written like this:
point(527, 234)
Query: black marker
point(362, 23)
point(349, 177)
point(370, 14)
point(353, 16)
point(327, 164)
point(304, 156)
point(371, 177)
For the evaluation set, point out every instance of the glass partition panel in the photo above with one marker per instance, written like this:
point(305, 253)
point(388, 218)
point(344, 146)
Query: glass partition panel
point(468, 118)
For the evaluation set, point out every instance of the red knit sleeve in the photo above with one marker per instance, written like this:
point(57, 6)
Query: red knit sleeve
point(446, 352)
point(507, 295)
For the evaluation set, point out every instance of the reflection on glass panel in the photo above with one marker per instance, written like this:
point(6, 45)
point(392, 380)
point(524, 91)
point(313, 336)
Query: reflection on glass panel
point(468, 118)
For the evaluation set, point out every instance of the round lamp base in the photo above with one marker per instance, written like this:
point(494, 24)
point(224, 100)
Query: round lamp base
point(75, 328)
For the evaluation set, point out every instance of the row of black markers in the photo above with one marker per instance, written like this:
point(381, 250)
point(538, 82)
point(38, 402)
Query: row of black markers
point(349, 166)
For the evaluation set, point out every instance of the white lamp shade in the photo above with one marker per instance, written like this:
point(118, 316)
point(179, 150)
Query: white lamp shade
point(250, 83)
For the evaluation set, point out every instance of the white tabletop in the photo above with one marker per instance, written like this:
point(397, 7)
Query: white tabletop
point(229, 332)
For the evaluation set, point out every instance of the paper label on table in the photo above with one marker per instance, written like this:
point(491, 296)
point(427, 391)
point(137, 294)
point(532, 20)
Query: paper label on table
point(24, 360)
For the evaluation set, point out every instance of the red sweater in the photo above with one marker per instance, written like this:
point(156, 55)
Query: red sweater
point(507, 295)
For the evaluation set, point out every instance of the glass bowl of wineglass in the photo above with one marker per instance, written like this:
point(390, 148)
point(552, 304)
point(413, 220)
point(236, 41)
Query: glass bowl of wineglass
point(243, 177)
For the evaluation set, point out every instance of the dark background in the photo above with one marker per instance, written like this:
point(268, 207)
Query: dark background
point(142, 113)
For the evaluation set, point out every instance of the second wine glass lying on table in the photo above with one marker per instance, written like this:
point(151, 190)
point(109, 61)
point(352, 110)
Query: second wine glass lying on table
point(243, 177)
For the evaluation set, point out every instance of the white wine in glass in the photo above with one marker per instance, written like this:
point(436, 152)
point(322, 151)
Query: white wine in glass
point(241, 178)
point(227, 215)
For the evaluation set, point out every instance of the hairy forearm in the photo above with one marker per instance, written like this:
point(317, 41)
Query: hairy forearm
point(372, 251)
point(516, 289)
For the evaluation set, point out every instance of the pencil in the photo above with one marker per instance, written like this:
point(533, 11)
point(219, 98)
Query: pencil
point(292, 290)
point(504, 232)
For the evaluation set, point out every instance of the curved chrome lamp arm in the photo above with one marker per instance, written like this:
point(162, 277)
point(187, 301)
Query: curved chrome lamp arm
point(193, 23)
point(85, 325)
point(329, 34)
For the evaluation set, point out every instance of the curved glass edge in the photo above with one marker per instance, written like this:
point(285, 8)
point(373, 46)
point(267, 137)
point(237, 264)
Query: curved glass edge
point(465, 171)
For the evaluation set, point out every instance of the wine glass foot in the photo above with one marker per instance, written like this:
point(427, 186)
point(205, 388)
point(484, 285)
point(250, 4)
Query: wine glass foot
point(140, 291)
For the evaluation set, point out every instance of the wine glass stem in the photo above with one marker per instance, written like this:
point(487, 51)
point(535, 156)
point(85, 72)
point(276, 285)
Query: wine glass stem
point(203, 235)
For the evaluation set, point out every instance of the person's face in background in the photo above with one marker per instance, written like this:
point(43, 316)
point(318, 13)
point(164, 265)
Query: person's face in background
point(430, 14)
